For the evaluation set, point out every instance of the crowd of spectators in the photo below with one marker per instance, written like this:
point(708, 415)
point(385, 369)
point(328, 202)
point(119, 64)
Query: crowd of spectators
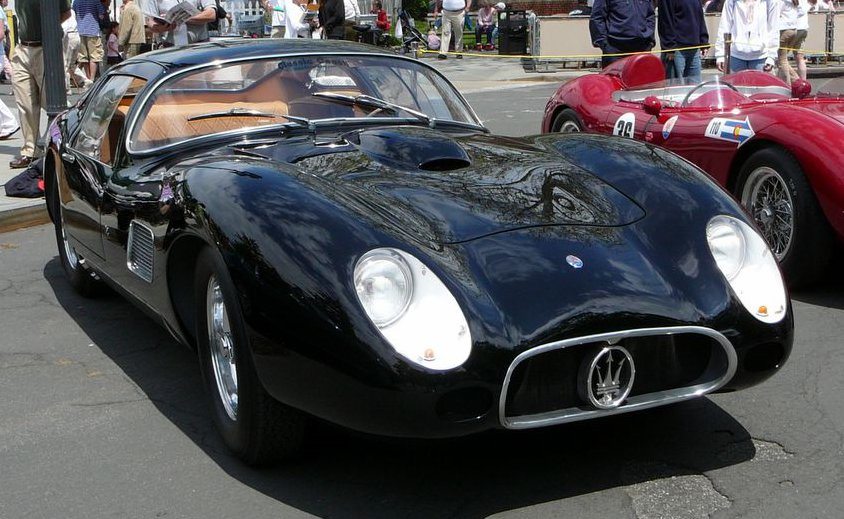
point(763, 33)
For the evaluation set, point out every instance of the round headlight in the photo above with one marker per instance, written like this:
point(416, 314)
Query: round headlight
point(727, 243)
point(384, 285)
point(749, 267)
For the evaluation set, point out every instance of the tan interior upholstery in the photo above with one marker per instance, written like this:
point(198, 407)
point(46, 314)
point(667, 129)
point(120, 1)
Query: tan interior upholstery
point(168, 118)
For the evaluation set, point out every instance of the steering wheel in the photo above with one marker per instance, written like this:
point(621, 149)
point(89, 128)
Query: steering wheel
point(707, 83)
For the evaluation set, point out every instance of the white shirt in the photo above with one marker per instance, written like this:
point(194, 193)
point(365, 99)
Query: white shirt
point(754, 25)
point(790, 14)
point(294, 21)
point(821, 6)
point(454, 5)
point(352, 9)
point(69, 25)
point(278, 16)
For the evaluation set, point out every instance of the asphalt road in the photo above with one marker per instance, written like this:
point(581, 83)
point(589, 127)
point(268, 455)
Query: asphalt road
point(101, 415)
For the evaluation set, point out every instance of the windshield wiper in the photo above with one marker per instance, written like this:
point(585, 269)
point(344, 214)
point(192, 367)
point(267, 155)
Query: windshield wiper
point(234, 112)
point(372, 102)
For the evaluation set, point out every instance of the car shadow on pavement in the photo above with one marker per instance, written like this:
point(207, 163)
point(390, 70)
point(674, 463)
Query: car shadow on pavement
point(829, 291)
point(344, 474)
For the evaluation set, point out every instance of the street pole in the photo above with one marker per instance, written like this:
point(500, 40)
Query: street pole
point(54, 69)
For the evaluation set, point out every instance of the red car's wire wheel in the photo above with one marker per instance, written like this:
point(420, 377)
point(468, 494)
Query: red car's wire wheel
point(768, 199)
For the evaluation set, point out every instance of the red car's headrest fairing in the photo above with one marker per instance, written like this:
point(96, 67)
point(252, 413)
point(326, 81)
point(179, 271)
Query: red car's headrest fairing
point(639, 69)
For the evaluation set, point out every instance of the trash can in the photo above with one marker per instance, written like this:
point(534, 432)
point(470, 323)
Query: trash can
point(512, 32)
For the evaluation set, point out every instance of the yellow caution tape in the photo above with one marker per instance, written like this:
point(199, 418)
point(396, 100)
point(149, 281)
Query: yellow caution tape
point(586, 57)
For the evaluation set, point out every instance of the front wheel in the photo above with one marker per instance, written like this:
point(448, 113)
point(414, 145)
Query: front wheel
point(777, 195)
point(81, 278)
point(256, 427)
point(567, 121)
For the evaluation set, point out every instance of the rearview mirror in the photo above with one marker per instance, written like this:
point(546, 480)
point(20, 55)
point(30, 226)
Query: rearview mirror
point(652, 105)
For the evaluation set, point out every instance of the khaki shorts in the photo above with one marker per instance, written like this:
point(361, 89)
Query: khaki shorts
point(91, 49)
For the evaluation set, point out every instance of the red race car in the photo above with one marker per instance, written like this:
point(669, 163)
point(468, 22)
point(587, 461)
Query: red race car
point(777, 149)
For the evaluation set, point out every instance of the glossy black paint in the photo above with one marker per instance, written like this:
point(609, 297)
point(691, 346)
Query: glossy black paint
point(291, 215)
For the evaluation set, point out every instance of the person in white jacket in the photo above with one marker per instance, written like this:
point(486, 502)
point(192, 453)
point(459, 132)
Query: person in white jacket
point(294, 20)
point(794, 27)
point(754, 26)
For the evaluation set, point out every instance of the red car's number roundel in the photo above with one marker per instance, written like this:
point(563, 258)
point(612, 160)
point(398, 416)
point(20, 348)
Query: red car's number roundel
point(625, 125)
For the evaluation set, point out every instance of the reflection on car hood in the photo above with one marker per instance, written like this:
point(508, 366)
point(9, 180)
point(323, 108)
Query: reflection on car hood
point(490, 184)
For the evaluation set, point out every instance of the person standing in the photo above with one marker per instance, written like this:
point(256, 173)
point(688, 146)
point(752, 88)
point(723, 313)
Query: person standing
point(332, 15)
point(453, 15)
point(8, 124)
point(28, 74)
point(352, 10)
point(277, 8)
point(70, 48)
point(754, 26)
point(622, 26)
point(7, 65)
point(794, 27)
point(132, 30)
point(681, 25)
point(89, 15)
point(193, 30)
point(294, 18)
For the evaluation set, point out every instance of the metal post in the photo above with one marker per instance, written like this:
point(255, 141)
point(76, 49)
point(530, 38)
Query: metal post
point(54, 69)
point(728, 42)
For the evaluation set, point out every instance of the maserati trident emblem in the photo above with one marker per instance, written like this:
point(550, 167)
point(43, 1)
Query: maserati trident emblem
point(574, 261)
point(606, 378)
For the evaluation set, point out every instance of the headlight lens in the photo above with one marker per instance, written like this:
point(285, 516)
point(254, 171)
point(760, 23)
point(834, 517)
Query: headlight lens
point(384, 285)
point(749, 266)
point(413, 309)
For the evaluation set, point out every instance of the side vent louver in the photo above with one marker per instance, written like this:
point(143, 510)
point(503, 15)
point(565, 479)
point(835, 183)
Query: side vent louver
point(139, 251)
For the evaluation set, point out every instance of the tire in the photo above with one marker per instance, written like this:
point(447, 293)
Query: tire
point(254, 426)
point(773, 189)
point(567, 121)
point(84, 281)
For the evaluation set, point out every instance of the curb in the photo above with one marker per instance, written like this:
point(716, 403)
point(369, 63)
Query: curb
point(21, 217)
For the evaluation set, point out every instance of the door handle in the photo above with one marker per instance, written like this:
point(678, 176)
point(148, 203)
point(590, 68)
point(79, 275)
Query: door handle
point(68, 157)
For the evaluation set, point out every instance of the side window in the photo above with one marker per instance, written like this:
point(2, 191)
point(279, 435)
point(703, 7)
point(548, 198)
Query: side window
point(103, 120)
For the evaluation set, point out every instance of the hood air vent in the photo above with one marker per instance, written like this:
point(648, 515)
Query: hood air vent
point(411, 149)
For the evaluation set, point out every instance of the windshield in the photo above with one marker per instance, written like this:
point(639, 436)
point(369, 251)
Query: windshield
point(714, 92)
point(266, 92)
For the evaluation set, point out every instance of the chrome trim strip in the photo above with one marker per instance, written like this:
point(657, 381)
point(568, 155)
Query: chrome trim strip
point(636, 403)
point(140, 271)
point(141, 103)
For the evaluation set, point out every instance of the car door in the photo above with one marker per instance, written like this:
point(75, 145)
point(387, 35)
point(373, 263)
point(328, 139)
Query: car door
point(87, 162)
point(708, 137)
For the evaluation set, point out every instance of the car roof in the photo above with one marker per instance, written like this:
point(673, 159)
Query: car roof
point(224, 49)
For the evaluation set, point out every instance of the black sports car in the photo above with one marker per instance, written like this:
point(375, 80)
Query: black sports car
point(334, 230)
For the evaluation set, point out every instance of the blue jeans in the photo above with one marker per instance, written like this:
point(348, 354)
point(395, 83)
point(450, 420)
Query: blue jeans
point(738, 64)
point(686, 64)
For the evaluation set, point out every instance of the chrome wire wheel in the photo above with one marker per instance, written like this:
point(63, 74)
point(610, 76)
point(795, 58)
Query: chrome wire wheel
point(570, 127)
point(221, 345)
point(69, 251)
point(769, 201)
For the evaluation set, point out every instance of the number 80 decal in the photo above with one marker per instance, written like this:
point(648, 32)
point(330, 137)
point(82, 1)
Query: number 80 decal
point(625, 125)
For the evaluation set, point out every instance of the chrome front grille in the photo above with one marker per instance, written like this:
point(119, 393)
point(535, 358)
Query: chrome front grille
point(139, 251)
point(673, 364)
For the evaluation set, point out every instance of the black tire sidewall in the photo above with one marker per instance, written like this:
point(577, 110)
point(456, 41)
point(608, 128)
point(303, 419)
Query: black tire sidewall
point(566, 115)
point(235, 433)
point(79, 278)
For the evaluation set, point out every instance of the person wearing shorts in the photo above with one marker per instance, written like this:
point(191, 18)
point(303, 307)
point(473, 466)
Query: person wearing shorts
point(794, 27)
point(89, 14)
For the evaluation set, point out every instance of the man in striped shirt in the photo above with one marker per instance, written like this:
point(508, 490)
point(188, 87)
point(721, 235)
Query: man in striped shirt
point(89, 14)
